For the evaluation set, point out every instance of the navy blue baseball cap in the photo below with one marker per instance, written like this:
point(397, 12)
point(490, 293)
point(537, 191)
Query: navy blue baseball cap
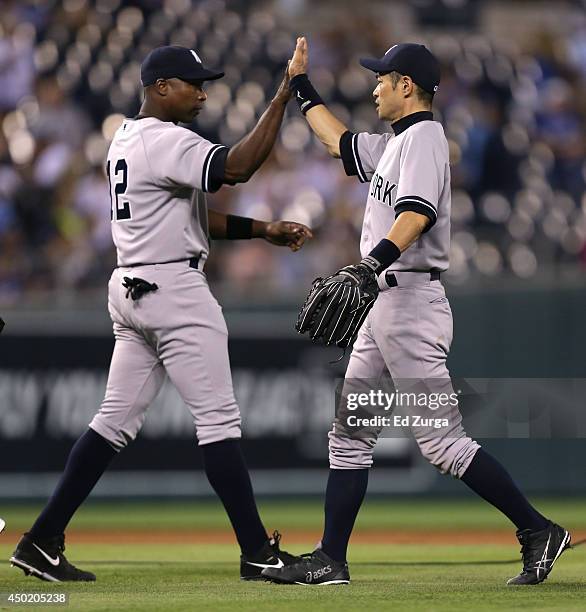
point(175, 62)
point(409, 59)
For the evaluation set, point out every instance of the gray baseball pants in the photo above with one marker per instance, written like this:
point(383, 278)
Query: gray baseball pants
point(408, 334)
point(177, 330)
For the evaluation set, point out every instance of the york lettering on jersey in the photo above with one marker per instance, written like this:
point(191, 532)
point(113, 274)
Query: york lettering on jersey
point(381, 189)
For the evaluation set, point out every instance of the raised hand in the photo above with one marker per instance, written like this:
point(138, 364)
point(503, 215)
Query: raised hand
point(284, 93)
point(300, 61)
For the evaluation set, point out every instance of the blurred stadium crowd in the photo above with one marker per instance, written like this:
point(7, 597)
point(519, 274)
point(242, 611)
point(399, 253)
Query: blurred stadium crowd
point(69, 70)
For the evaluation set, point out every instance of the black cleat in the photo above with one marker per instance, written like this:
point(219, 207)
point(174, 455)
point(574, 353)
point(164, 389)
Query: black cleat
point(311, 568)
point(44, 559)
point(540, 550)
point(271, 556)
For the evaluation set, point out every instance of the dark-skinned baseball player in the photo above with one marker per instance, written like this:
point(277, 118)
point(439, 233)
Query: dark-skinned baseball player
point(166, 321)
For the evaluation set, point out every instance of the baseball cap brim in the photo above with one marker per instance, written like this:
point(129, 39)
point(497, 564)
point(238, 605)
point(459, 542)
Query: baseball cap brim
point(202, 75)
point(376, 65)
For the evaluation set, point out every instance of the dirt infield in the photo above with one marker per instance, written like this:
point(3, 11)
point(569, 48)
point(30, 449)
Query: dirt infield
point(459, 537)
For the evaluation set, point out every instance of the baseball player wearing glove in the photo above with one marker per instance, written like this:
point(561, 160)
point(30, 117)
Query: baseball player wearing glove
point(166, 321)
point(336, 306)
point(393, 302)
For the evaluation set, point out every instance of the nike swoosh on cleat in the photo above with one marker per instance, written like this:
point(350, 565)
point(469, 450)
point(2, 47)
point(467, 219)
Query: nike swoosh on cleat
point(277, 565)
point(52, 561)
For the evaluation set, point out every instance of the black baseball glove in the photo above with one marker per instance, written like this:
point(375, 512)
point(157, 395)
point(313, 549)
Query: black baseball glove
point(337, 305)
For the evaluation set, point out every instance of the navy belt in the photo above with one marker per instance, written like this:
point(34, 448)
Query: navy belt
point(391, 279)
point(192, 262)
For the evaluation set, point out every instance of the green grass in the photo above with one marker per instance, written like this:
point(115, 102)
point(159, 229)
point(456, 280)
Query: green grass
point(401, 513)
point(406, 577)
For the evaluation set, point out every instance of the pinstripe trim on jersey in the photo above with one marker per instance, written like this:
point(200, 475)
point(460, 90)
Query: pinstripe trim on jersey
point(361, 173)
point(205, 175)
point(405, 199)
point(418, 205)
point(350, 156)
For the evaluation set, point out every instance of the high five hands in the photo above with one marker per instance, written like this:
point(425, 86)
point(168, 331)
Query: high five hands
point(300, 61)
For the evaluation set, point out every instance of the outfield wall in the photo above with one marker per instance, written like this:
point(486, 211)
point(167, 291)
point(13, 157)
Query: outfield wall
point(51, 383)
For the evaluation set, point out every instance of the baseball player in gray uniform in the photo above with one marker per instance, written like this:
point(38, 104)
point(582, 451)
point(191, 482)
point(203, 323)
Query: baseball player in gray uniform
point(166, 321)
point(407, 333)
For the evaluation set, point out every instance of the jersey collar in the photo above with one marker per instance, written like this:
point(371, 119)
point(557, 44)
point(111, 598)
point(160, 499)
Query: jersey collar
point(406, 122)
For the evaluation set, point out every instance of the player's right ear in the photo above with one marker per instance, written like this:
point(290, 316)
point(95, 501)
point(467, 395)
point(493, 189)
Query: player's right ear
point(162, 87)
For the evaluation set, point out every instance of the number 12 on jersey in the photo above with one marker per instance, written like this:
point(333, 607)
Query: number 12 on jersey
point(122, 211)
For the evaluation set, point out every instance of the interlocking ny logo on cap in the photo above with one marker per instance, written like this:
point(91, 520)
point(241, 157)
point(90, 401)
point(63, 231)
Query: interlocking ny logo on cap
point(196, 56)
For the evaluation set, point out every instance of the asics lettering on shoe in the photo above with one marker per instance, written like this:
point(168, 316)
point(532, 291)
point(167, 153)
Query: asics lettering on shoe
point(270, 556)
point(314, 568)
point(44, 559)
point(540, 550)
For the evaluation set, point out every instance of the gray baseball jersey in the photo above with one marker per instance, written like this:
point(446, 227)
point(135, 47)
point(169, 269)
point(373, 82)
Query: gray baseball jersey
point(158, 175)
point(408, 332)
point(407, 171)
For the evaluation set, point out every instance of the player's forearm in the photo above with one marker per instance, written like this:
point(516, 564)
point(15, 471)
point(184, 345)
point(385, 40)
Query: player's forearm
point(232, 227)
point(327, 127)
point(405, 231)
point(246, 156)
point(217, 224)
point(407, 228)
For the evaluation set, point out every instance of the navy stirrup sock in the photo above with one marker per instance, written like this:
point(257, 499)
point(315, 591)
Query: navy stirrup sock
point(87, 461)
point(344, 495)
point(227, 472)
point(489, 479)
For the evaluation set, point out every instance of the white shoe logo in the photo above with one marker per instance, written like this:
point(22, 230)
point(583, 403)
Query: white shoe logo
point(277, 565)
point(52, 561)
point(542, 564)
